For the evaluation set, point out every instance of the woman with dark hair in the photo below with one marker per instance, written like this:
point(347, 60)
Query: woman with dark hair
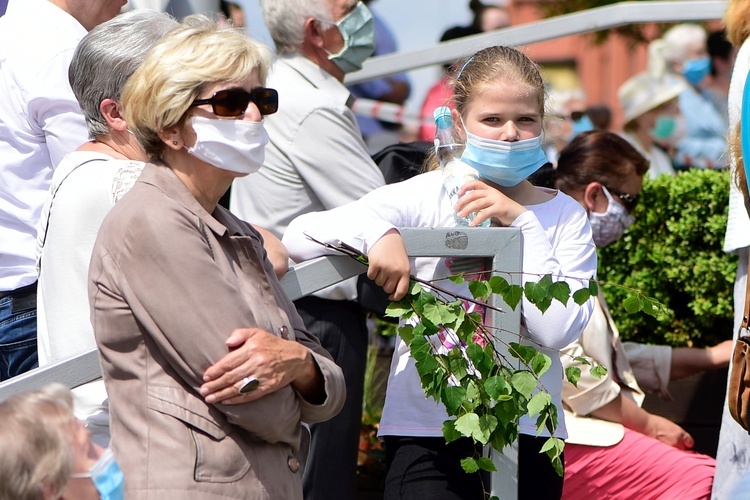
point(614, 447)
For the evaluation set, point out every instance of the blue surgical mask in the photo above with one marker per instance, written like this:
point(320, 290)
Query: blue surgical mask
point(583, 124)
point(664, 127)
point(358, 30)
point(695, 70)
point(106, 476)
point(504, 163)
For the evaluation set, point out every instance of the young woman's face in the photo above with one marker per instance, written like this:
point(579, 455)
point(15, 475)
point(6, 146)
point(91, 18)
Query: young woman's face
point(504, 111)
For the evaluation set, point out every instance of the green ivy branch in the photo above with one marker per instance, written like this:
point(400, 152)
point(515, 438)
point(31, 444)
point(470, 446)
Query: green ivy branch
point(483, 393)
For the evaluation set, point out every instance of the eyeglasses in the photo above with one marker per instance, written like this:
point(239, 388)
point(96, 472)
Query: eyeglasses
point(234, 102)
point(628, 200)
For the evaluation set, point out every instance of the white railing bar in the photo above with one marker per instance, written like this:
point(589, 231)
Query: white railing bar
point(597, 19)
point(303, 279)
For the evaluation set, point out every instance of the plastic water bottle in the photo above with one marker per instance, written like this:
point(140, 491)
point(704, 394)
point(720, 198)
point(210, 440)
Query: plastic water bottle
point(448, 149)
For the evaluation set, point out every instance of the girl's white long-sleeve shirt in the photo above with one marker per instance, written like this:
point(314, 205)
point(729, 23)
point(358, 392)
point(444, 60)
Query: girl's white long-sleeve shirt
point(556, 239)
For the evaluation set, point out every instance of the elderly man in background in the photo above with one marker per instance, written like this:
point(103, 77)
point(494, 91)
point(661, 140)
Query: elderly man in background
point(317, 160)
point(41, 122)
point(704, 145)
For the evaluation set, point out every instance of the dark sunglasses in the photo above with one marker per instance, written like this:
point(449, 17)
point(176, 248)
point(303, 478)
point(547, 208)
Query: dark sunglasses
point(628, 200)
point(234, 102)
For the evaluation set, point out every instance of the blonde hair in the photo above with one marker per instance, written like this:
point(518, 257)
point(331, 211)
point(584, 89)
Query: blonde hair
point(737, 20)
point(197, 53)
point(489, 66)
point(36, 437)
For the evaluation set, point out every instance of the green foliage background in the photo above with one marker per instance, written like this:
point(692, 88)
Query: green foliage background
point(673, 253)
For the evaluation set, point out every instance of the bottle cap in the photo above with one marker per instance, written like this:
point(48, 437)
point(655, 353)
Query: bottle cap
point(442, 116)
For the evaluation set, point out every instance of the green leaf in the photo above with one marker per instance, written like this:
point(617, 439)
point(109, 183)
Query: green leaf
point(472, 391)
point(524, 382)
point(513, 295)
point(453, 397)
point(593, 288)
point(426, 365)
point(480, 289)
point(523, 352)
point(552, 446)
point(400, 309)
point(581, 296)
point(598, 371)
point(457, 279)
point(582, 360)
point(486, 464)
point(457, 364)
point(573, 374)
point(469, 465)
point(449, 431)
point(420, 348)
point(546, 281)
point(540, 363)
point(537, 403)
point(406, 332)
point(447, 316)
point(468, 425)
point(560, 291)
point(431, 312)
point(496, 387)
point(633, 304)
point(535, 292)
point(487, 423)
point(498, 284)
point(542, 421)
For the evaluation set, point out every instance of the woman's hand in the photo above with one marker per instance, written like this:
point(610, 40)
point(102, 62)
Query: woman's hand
point(668, 432)
point(487, 202)
point(274, 361)
point(632, 416)
point(389, 265)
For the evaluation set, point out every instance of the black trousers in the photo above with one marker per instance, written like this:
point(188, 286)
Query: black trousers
point(331, 471)
point(423, 467)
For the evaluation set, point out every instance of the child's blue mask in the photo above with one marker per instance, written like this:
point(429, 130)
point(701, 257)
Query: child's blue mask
point(504, 163)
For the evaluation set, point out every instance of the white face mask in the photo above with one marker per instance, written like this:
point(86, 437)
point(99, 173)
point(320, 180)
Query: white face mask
point(235, 145)
point(610, 225)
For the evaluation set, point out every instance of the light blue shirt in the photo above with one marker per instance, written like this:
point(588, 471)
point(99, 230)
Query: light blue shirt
point(705, 144)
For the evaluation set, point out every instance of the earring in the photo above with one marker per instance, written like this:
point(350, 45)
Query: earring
point(175, 143)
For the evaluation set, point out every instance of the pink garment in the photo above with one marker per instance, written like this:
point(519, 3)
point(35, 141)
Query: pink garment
point(438, 95)
point(637, 467)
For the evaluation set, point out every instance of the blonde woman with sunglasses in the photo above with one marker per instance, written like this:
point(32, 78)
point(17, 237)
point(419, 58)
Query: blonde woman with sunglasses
point(207, 364)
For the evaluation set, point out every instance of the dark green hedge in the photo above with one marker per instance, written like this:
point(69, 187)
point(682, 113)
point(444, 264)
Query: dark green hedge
point(673, 253)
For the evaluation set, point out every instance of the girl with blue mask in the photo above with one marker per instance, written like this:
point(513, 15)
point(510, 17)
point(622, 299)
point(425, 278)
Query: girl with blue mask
point(499, 109)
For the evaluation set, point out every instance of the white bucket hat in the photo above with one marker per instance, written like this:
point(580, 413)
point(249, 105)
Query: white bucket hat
point(652, 88)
